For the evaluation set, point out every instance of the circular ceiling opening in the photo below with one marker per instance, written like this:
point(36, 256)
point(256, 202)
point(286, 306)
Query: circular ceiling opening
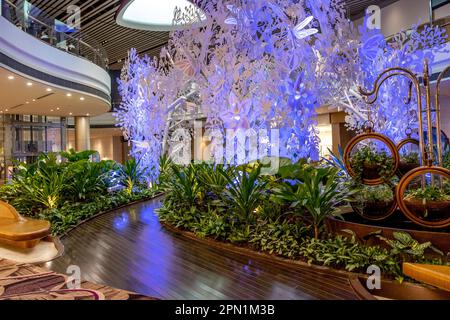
point(154, 15)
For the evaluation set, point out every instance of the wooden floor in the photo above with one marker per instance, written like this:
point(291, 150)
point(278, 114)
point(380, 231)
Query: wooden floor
point(129, 249)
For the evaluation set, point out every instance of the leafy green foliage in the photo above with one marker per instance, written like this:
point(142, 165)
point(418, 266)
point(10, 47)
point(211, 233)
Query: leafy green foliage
point(73, 156)
point(410, 158)
point(367, 157)
point(244, 191)
point(318, 194)
point(277, 214)
point(347, 253)
point(131, 175)
point(408, 248)
point(379, 193)
point(429, 193)
point(65, 192)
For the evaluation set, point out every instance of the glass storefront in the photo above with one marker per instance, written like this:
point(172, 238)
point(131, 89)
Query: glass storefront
point(24, 137)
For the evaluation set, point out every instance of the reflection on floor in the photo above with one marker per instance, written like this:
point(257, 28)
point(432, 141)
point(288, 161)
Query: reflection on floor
point(29, 282)
point(129, 249)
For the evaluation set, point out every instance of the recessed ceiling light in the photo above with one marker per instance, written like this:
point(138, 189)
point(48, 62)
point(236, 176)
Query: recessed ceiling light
point(28, 102)
point(51, 110)
point(11, 77)
point(87, 114)
point(57, 108)
point(49, 89)
point(34, 100)
point(6, 110)
point(29, 84)
point(144, 15)
point(82, 98)
point(69, 94)
point(70, 113)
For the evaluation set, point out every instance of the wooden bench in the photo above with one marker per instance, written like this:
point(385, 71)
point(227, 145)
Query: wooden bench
point(437, 276)
point(20, 232)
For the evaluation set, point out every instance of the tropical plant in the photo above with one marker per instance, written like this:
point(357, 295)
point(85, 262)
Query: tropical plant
point(131, 175)
point(165, 168)
point(244, 191)
point(43, 189)
point(409, 249)
point(347, 253)
point(278, 237)
point(184, 189)
point(213, 177)
point(318, 194)
point(73, 156)
point(86, 179)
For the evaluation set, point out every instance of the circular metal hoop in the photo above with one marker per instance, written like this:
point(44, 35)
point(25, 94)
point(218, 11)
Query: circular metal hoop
point(389, 212)
point(404, 182)
point(371, 135)
point(400, 145)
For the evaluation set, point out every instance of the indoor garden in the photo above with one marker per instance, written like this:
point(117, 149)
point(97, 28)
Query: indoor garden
point(227, 191)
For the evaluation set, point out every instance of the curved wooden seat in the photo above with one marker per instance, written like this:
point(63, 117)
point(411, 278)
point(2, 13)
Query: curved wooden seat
point(437, 276)
point(18, 231)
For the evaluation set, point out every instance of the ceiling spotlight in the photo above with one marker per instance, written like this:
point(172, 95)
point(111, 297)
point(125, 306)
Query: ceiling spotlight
point(11, 77)
point(69, 94)
point(48, 89)
point(29, 84)
point(144, 15)
point(70, 113)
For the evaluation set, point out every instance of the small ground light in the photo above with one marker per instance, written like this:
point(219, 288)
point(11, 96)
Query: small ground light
point(49, 89)
point(11, 77)
point(69, 94)
point(82, 98)
point(29, 84)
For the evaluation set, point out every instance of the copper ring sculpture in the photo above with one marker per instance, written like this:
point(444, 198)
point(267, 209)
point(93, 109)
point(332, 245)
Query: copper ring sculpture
point(403, 143)
point(369, 134)
point(404, 182)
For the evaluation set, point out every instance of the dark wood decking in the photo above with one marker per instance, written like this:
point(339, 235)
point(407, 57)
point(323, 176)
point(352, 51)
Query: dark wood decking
point(129, 249)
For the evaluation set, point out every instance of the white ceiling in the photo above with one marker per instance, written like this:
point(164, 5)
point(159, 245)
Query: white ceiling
point(16, 97)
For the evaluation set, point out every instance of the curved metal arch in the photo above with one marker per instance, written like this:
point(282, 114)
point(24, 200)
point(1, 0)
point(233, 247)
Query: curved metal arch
point(390, 73)
point(438, 113)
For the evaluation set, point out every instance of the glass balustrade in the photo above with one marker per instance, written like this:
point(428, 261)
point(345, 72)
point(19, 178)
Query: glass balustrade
point(58, 34)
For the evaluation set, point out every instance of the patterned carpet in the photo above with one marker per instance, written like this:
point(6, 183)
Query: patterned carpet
point(29, 282)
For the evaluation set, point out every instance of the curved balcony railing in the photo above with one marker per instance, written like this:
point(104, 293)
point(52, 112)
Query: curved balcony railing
point(46, 30)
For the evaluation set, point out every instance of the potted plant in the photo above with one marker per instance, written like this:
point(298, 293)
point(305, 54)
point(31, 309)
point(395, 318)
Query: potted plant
point(370, 164)
point(372, 201)
point(408, 162)
point(429, 202)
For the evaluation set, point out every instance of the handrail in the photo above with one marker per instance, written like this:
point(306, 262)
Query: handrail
point(77, 46)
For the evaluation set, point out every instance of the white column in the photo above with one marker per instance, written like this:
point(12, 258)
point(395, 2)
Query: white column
point(82, 133)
